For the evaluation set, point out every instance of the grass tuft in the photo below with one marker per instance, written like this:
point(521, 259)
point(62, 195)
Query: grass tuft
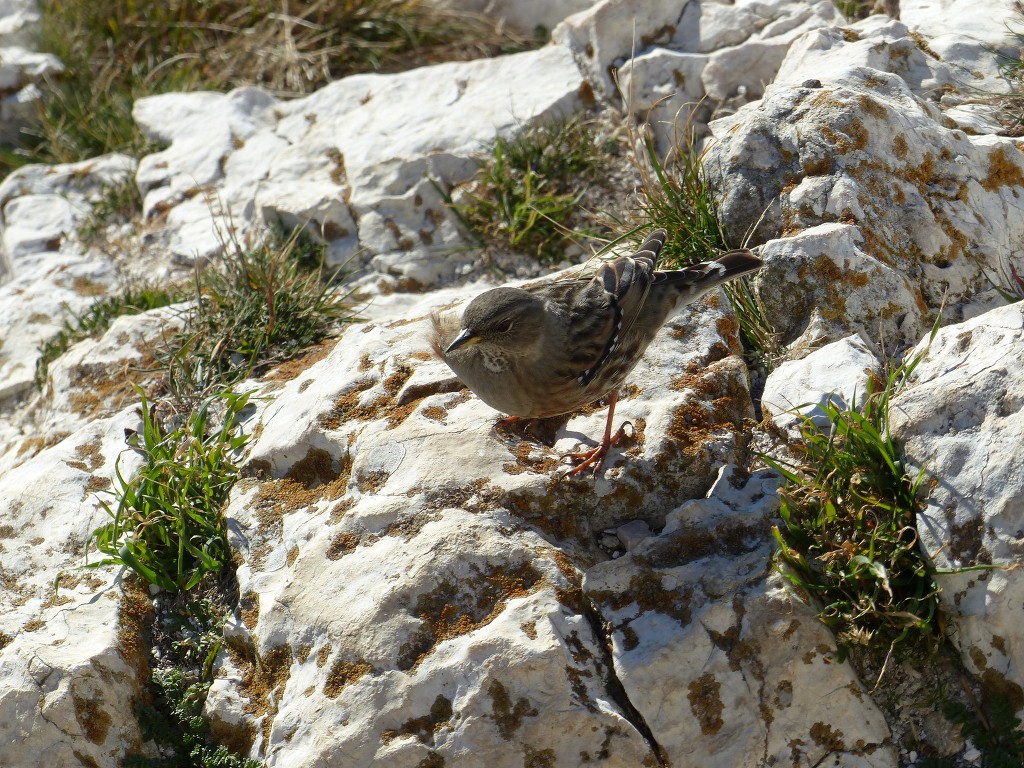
point(675, 194)
point(1009, 283)
point(855, 10)
point(116, 52)
point(848, 536)
point(1012, 68)
point(529, 186)
point(259, 305)
point(132, 300)
point(118, 203)
point(993, 727)
point(166, 524)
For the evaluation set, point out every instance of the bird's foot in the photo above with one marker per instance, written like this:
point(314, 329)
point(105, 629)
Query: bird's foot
point(594, 458)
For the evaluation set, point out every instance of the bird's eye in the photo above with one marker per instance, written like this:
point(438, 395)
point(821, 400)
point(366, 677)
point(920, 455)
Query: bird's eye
point(504, 327)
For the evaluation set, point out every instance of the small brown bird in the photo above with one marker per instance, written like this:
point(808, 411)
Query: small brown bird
point(552, 348)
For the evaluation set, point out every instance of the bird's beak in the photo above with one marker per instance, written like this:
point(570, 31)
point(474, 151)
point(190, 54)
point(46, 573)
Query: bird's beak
point(465, 339)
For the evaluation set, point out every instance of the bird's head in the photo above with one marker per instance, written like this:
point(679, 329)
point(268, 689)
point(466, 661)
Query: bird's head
point(505, 319)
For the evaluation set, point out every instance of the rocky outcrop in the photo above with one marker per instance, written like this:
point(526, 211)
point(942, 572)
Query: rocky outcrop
point(420, 589)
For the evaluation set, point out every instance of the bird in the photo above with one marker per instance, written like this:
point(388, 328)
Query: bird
point(554, 347)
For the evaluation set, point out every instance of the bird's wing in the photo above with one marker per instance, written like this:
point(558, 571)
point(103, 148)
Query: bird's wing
point(599, 311)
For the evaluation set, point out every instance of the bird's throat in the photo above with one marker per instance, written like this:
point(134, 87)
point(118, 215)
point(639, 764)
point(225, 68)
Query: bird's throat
point(493, 360)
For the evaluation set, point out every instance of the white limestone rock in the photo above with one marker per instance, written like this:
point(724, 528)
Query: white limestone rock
point(355, 161)
point(79, 182)
point(71, 657)
point(970, 35)
point(819, 285)
point(724, 666)
point(961, 419)
point(666, 88)
point(203, 130)
point(96, 378)
point(35, 224)
point(398, 557)
point(931, 209)
point(732, 49)
point(34, 305)
point(838, 373)
point(44, 278)
point(632, 533)
point(19, 20)
point(611, 31)
point(19, 66)
point(20, 70)
point(524, 16)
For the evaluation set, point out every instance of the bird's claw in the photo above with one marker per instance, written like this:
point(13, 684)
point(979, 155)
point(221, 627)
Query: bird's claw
point(595, 456)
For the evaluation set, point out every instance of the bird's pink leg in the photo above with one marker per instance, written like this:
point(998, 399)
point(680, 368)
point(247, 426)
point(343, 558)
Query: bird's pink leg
point(596, 456)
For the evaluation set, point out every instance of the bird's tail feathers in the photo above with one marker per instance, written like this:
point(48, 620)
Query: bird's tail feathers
point(738, 262)
point(705, 276)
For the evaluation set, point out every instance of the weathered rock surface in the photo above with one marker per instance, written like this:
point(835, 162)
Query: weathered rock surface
point(675, 64)
point(347, 464)
point(855, 159)
point(419, 588)
point(703, 629)
point(44, 278)
point(21, 67)
point(70, 659)
point(356, 162)
point(961, 420)
point(839, 373)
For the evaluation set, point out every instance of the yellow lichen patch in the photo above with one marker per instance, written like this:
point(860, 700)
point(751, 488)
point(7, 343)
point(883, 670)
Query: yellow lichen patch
point(824, 735)
point(394, 382)
point(316, 477)
point(872, 107)
point(83, 286)
point(558, 508)
point(92, 719)
point(102, 389)
point(508, 716)
point(647, 592)
point(921, 174)
point(323, 655)
point(349, 406)
point(342, 673)
point(371, 482)
point(525, 462)
point(452, 608)
point(134, 619)
point(342, 544)
point(300, 363)
point(717, 399)
point(354, 405)
point(88, 457)
point(922, 42)
point(819, 166)
point(423, 728)
point(705, 697)
point(435, 413)
point(249, 609)
point(264, 677)
point(832, 273)
point(1004, 171)
point(900, 147)
point(852, 136)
